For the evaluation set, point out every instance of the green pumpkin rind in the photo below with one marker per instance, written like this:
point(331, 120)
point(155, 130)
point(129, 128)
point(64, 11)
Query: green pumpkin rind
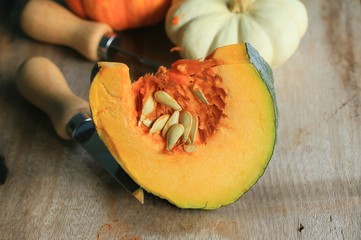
point(265, 71)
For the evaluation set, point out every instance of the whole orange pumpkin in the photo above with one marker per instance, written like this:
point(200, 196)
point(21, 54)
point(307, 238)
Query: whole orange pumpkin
point(121, 14)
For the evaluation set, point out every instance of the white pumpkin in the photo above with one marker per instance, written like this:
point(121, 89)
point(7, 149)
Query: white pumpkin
point(273, 27)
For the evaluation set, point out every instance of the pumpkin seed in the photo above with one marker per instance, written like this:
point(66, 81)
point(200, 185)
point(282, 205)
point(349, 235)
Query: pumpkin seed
point(168, 100)
point(173, 119)
point(186, 120)
point(173, 135)
point(159, 124)
point(148, 108)
point(194, 129)
point(147, 122)
point(199, 94)
point(189, 148)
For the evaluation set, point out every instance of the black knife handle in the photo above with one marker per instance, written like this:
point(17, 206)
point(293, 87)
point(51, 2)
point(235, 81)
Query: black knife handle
point(76, 125)
point(104, 45)
point(41, 82)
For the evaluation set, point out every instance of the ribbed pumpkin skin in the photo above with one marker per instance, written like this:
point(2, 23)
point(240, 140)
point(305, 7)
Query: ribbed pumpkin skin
point(274, 27)
point(121, 14)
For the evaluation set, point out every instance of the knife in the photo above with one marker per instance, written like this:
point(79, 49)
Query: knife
point(49, 22)
point(41, 82)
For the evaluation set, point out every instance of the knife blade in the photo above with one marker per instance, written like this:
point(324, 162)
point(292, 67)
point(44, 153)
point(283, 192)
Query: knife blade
point(49, 22)
point(48, 90)
point(110, 49)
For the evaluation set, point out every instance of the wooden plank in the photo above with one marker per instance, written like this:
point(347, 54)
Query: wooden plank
point(311, 189)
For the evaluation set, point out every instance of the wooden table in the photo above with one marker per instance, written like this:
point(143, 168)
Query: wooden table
point(311, 189)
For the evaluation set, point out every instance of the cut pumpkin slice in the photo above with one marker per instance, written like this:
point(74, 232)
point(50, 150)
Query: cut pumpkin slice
point(220, 120)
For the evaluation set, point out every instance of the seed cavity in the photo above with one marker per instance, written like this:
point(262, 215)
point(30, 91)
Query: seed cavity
point(186, 120)
point(194, 129)
point(168, 100)
point(173, 119)
point(148, 108)
point(159, 124)
point(173, 135)
point(177, 126)
point(197, 91)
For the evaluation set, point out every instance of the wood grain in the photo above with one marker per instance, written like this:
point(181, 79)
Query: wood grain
point(311, 189)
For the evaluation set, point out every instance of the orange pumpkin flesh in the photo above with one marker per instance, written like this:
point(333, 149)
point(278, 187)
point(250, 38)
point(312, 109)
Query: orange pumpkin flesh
point(236, 136)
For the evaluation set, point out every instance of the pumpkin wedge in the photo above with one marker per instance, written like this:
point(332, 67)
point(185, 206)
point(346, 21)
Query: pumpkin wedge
point(199, 134)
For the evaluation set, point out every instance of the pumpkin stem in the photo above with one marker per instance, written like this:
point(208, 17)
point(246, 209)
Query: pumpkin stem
point(239, 6)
